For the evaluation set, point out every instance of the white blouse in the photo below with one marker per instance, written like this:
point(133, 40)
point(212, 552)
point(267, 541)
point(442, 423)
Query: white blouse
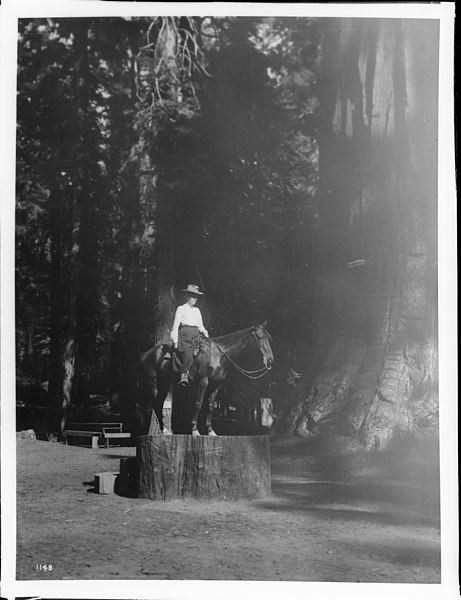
point(187, 315)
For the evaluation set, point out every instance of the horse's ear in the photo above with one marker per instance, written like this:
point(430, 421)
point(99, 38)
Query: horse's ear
point(264, 324)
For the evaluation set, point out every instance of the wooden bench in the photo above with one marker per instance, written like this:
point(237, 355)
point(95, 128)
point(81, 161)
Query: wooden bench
point(94, 435)
point(106, 431)
point(115, 435)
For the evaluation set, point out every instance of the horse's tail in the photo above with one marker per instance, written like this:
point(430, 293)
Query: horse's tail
point(151, 360)
point(149, 367)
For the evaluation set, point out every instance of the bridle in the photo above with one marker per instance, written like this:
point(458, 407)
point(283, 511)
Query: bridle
point(250, 374)
point(253, 333)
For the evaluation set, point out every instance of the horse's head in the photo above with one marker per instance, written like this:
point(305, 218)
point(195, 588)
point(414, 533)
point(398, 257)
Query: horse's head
point(263, 339)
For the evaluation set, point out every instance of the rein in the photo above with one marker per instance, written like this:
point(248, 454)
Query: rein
point(249, 374)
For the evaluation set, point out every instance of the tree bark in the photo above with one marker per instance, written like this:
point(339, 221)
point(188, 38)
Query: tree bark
point(62, 331)
point(88, 201)
point(57, 302)
point(378, 174)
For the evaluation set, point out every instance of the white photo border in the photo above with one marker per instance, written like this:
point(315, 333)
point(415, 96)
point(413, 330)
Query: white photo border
point(10, 12)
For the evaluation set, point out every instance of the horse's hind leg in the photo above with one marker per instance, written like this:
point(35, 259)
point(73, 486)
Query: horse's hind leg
point(159, 394)
point(210, 399)
point(202, 386)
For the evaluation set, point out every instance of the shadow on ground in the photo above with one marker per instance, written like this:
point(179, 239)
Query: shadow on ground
point(397, 486)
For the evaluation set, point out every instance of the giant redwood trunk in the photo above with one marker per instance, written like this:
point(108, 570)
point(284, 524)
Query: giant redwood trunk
point(63, 310)
point(90, 193)
point(378, 208)
point(62, 330)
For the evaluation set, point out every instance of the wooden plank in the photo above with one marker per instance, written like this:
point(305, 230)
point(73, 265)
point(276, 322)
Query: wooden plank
point(110, 436)
point(94, 436)
point(91, 426)
point(72, 432)
point(103, 423)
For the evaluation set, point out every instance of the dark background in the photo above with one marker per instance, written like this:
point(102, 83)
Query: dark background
point(259, 158)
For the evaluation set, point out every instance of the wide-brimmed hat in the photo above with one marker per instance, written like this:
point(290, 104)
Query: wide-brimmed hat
point(193, 289)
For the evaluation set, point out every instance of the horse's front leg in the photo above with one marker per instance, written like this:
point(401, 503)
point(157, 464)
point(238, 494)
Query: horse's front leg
point(201, 389)
point(209, 416)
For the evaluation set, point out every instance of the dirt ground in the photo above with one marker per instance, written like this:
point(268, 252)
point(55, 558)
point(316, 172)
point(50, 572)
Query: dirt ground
point(331, 517)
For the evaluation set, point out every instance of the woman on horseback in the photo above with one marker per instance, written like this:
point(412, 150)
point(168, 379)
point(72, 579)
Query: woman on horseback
point(187, 326)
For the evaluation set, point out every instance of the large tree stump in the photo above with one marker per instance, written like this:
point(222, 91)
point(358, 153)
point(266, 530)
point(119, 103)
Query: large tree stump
point(203, 468)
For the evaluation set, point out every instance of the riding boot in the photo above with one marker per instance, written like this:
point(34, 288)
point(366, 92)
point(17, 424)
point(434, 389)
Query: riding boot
point(184, 379)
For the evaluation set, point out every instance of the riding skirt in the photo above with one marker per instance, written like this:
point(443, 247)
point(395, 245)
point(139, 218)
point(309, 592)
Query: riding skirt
point(186, 336)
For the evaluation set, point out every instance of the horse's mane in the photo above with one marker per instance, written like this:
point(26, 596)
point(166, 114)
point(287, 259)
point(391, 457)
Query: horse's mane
point(230, 338)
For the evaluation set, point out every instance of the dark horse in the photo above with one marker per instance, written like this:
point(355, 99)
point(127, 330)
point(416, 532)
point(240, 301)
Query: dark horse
point(214, 359)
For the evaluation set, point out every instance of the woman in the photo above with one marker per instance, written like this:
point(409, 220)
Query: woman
point(187, 326)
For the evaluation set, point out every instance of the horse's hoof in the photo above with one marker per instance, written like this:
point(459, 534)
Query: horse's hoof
point(167, 431)
point(212, 433)
point(195, 433)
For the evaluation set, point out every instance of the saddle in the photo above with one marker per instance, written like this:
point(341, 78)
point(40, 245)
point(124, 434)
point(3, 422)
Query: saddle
point(170, 353)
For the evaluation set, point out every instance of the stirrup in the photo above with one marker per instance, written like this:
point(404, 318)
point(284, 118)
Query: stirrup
point(184, 381)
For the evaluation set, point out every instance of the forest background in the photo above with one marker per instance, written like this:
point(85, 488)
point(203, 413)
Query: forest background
point(288, 166)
